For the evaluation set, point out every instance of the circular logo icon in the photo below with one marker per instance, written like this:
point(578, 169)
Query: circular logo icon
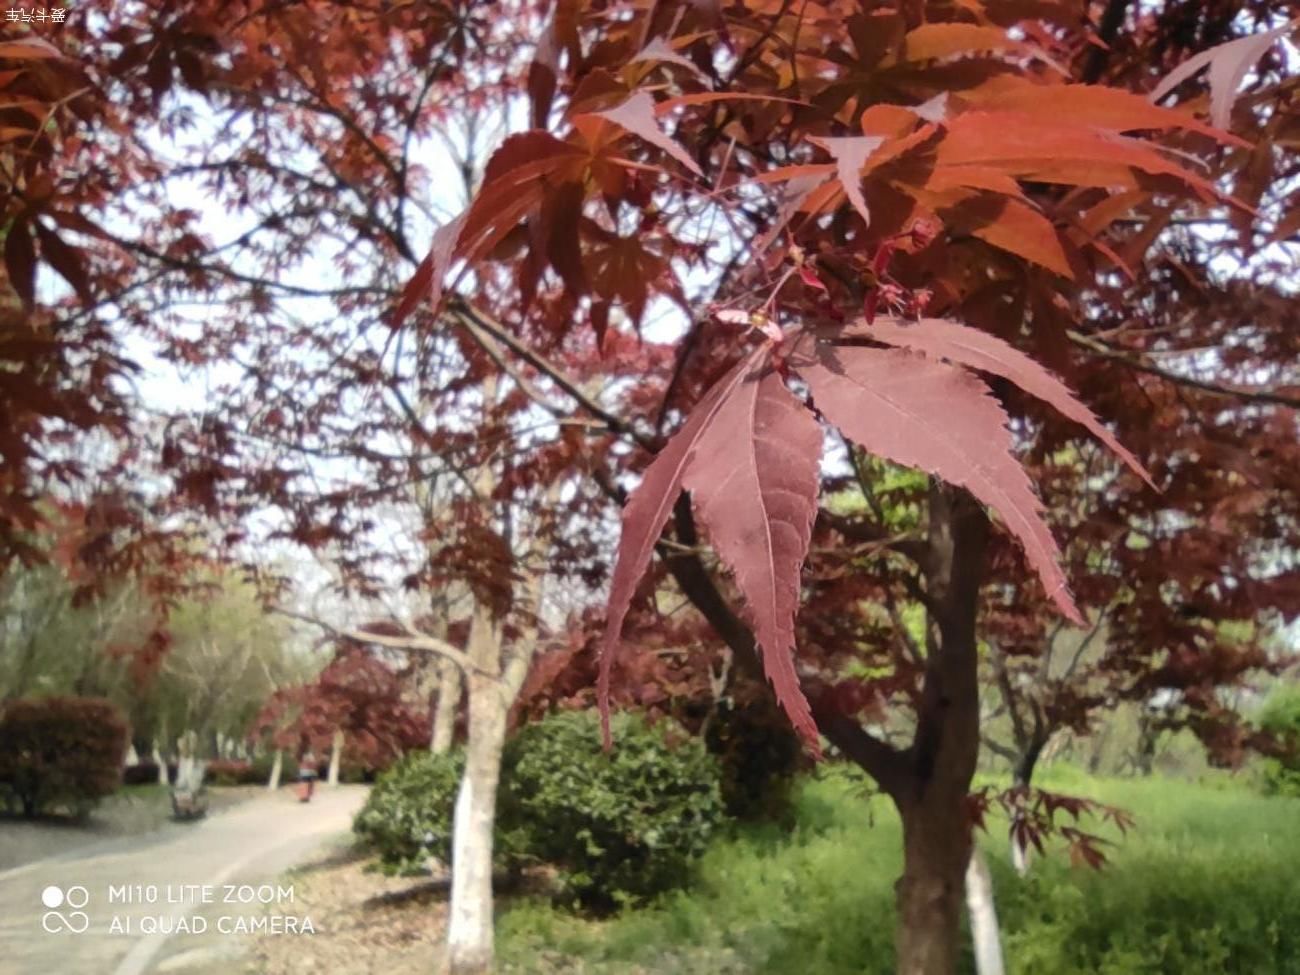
point(75, 921)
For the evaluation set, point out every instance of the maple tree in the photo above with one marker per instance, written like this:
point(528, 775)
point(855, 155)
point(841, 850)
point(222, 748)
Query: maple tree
point(356, 694)
point(896, 221)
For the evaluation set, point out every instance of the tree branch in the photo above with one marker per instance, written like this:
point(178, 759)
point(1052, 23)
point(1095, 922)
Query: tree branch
point(413, 641)
point(1244, 393)
point(882, 761)
point(472, 317)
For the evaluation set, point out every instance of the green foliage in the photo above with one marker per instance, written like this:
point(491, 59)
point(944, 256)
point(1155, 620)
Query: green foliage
point(60, 754)
point(758, 754)
point(1204, 886)
point(408, 815)
point(621, 826)
point(1281, 715)
point(226, 655)
point(263, 764)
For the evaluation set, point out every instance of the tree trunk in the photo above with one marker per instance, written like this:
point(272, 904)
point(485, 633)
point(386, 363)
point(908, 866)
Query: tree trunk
point(1019, 857)
point(277, 768)
point(161, 763)
point(445, 708)
point(1022, 776)
point(469, 933)
point(1144, 754)
point(933, 800)
point(336, 757)
point(1098, 750)
point(936, 851)
point(985, 936)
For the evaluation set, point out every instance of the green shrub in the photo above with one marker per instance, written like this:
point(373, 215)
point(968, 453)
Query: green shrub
point(1281, 715)
point(60, 754)
point(262, 765)
point(621, 827)
point(408, 814)
point(759, 755)
point(355, 773)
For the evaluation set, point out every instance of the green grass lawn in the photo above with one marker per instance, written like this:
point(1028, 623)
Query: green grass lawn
point(1208, 883)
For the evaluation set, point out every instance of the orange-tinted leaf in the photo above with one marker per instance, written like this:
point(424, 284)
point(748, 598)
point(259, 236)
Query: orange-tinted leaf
point(1019, 229)
point(29, 49)
point(942, 40)
point(1030, 147)
point(1093, 106)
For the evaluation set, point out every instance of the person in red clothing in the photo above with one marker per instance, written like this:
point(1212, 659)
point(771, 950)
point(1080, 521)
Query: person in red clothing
point(307, 773)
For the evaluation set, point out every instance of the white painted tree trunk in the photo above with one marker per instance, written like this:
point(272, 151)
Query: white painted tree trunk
point(161, 763)
point(1019, 857)
point(336, 757)
point(985, 936)
point(469, 933)
point(444, 711)
point(277, 769)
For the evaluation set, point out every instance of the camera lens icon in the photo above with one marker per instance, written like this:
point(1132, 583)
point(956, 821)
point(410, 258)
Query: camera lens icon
point(75, 920)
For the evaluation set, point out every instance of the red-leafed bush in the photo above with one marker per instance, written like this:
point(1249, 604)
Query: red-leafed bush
point(60, 754)
point(231, 771)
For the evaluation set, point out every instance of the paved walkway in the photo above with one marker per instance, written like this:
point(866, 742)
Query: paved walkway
point(156, 903)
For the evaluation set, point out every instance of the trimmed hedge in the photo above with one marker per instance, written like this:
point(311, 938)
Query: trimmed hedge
point(60, 754)
point(620, 827)
point(262, 765)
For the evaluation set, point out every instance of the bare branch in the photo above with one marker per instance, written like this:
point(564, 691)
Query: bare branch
point(413, 641)
point(1244, 393)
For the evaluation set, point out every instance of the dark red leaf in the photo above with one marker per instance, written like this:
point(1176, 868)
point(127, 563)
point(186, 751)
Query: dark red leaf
point(943, 339)
point(65, 260)
point(20, 261)
point(754, 480)
point(645, 515)
point(926, 414)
